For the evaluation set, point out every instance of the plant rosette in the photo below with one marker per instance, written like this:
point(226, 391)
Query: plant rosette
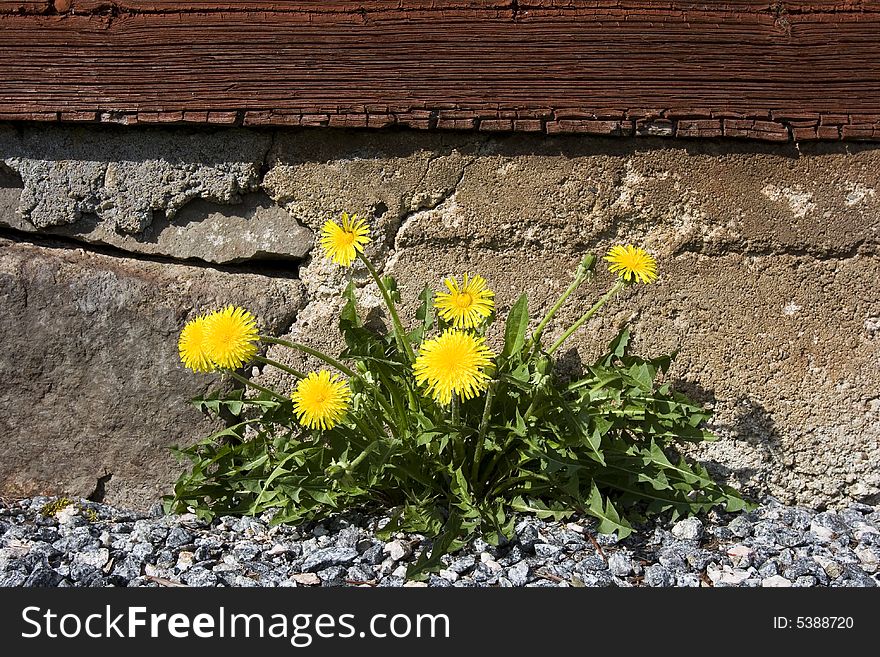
point(430, 422)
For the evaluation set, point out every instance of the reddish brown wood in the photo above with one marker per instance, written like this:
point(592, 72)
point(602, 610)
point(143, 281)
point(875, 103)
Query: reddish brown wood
point(739, 68)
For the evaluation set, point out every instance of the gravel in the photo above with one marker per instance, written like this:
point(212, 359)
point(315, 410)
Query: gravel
point(91, 544)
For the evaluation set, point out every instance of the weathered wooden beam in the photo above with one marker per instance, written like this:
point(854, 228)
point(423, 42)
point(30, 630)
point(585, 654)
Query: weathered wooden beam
point(741, 68)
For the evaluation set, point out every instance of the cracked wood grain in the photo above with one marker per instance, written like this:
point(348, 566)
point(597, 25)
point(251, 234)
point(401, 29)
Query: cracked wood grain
point(774, 71)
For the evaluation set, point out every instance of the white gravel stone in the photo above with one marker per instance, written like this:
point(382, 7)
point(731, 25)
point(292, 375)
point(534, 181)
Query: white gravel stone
point(306, 579)
point(690, 529)
point(777, 581)
point(822, 533)
point(398, 550)
point(185, 561)
point(868, 558)
point(620, 564)
point(97, 558)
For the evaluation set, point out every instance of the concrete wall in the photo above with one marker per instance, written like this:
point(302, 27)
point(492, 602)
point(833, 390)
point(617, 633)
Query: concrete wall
point(112, 238)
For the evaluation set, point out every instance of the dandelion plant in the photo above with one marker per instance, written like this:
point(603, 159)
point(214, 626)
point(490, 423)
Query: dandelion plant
point(450, 434)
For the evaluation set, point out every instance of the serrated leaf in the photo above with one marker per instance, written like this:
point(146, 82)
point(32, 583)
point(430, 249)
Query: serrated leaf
point(515, 328)
point(609, 519)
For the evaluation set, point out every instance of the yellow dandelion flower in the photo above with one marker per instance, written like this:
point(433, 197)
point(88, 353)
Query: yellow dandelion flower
point(632, 264)
point(455, 362)
point(193, 347)
point(230, 337)
point(466, 305)
point(321, 400)
point(342, 243)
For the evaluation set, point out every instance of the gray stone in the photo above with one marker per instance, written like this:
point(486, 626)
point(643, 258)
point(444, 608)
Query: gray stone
point(332, 556)
point(42, 577)
point(254, 229)
point(128, 568)
point(79, 328)
point(658, 576)
point(200, 577)
point(592, 563)
point(393, 582)
point(178, 537)
point(699, 559)
point(461, 565)
point(438, 582)
point(374, 555)
point(125, 180)
point(689, 580)
point(800, 567)
point(527, 536)
point(831, 521)
point(247, 551)
point(855, 576)
point(620, 564)
point(673, 557)
point(545, 551)
point(593, 579)
point(332, 576)
point(519, 575)
point(796, 518)
point(359, 573)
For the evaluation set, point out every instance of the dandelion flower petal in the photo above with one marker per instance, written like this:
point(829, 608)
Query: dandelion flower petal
point(632, 264)
point(467, 305)
point(193, 346)
point(321, 400)
point(454, 363)
point(231, 337)
point(343, 243)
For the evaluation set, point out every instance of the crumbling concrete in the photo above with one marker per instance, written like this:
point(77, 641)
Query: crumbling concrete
point(768, 258)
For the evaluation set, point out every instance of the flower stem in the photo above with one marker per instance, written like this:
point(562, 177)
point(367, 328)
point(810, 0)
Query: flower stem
point(333, 363)
point(583, 273)
point(280, 366)
point(481, 434)
point(617, 287)
point(320, 355)
point(366, 452)
point(402, 341)
point(255, 386)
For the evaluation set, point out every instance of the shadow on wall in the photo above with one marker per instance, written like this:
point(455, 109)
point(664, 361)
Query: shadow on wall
point(752, 424)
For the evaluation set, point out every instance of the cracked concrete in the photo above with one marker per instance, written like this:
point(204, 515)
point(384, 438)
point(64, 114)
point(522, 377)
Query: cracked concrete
point(768, 258)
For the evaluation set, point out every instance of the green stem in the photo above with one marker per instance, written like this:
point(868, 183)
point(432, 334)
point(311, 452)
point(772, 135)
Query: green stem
point(509, 483)
point(456, 419)
point(255, 386)
point(402, 341)
point(369, 448)
point(617, 287)
point(280, 366)
point(481, 434)
point(582, 274)
point(320, 355)
point(531, 408)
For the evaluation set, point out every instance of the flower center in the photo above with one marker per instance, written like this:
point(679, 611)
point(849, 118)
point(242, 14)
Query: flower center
point(464, 300)
point(346, 238)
